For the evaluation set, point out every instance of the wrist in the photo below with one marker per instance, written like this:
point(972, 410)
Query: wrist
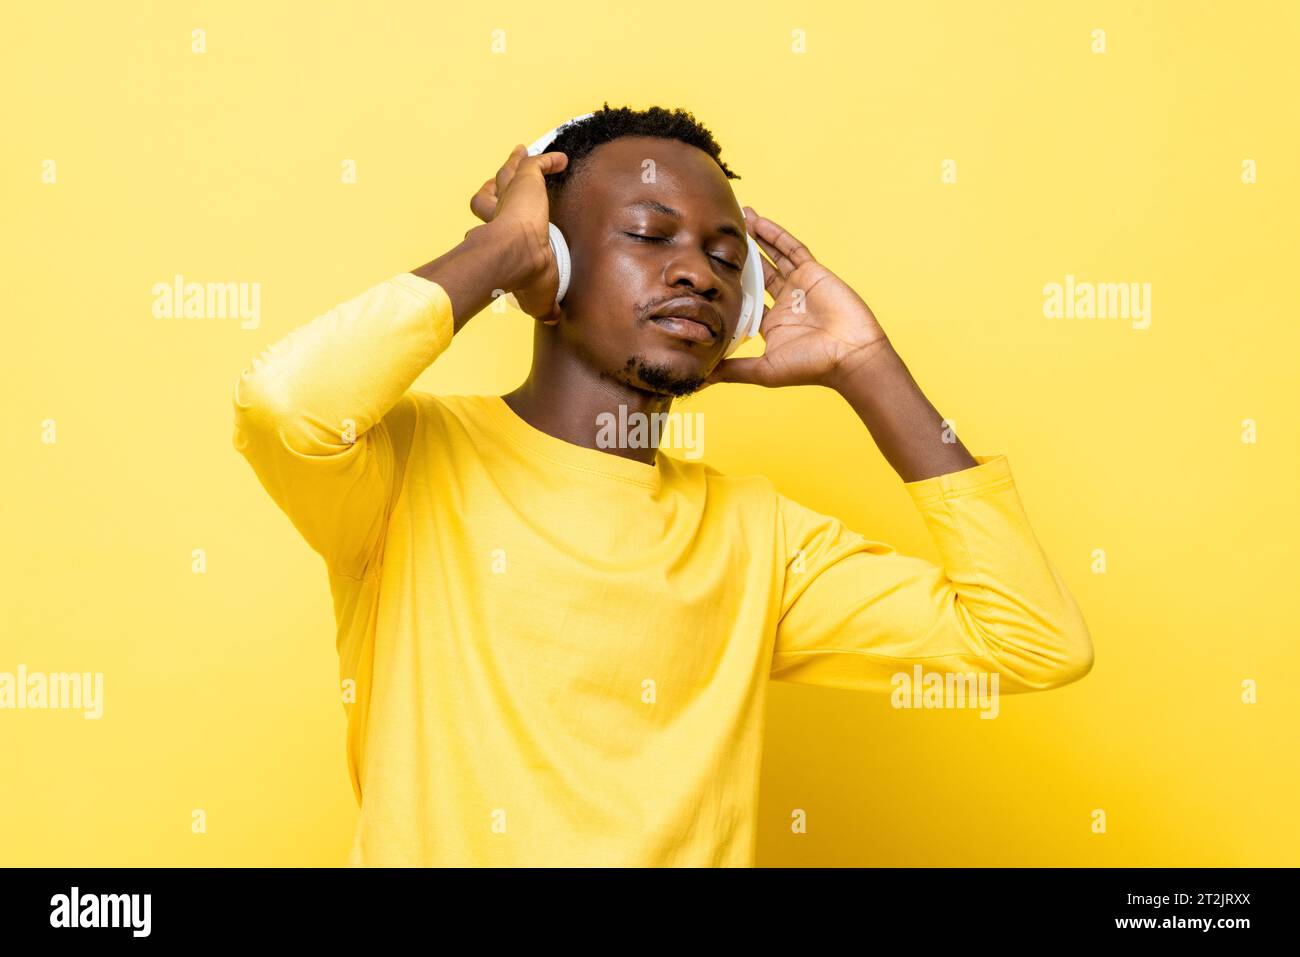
point(520, 253)
point(491, 260)
point(863, 361)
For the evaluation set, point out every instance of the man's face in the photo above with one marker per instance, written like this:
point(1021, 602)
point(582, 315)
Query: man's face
point(690, 261)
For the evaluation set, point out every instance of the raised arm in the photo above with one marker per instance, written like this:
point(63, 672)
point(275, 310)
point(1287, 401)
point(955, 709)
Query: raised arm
point(324, 416)
point(854, 611)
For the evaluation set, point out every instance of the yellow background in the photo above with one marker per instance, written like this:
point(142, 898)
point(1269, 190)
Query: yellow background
point(220, 688)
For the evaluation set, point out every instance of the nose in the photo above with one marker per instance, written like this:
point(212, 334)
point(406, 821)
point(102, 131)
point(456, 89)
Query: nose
point(692, 268)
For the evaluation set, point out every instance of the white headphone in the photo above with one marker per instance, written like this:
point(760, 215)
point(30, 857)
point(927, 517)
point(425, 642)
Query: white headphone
point(751, 278)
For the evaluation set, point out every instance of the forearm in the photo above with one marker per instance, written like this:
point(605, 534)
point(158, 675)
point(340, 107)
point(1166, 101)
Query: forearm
point(321, 387)
point(908, 430)
point(488, 263)
point(331, 379)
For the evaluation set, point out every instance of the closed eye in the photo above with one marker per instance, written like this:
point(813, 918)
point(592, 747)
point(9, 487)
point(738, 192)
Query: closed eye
point(662, 239)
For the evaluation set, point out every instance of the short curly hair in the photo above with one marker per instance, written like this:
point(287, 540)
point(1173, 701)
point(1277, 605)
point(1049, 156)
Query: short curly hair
point(577, 139)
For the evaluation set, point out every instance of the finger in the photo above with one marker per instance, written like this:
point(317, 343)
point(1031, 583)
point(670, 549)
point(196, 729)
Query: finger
point(484, 203)
point(773, 281)
point(507, 171)
point(786, 251)
point(775, 285)
point(539, 166)
point(783, 266)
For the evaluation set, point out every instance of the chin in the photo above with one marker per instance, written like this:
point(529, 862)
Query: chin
point(666, 374)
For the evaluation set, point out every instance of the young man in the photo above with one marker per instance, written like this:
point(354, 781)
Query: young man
point(559, 651)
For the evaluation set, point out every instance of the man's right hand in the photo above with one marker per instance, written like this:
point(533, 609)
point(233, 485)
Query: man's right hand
point(511, 251)
point(515, 201)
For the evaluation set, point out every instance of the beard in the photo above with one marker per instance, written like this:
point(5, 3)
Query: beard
point(660, 378)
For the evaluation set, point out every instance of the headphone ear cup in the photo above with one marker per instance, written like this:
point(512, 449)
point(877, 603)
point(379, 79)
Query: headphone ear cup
point(752, 281)
point(751, 303)
point(737, 338)
point(563, 265)
point(560, 249)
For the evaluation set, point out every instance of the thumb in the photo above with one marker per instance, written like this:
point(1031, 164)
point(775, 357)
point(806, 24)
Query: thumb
point(738, 370)
point(551, 162)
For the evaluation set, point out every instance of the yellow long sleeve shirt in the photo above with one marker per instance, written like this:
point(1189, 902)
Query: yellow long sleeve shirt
point(559, 656)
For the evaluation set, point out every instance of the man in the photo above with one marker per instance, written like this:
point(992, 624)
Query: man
point(556, 652)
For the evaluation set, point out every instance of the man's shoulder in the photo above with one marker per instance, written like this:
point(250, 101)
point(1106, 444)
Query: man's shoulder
point(738, 484)
point(436, 402)
point(441, 408)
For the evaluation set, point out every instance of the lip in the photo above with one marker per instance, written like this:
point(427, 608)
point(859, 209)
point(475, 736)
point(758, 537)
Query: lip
point(690, 312)
point(684, 328)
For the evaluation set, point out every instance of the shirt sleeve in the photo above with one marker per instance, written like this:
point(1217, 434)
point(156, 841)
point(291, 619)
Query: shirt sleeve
point(325, 418)
point(854, 612)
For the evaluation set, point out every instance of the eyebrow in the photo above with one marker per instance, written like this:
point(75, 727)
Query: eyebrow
point(725, 228)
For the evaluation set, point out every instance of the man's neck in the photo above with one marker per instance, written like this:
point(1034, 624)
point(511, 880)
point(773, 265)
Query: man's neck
point(577, 414)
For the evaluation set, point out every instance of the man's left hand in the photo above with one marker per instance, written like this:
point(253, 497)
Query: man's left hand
point(817, 329)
